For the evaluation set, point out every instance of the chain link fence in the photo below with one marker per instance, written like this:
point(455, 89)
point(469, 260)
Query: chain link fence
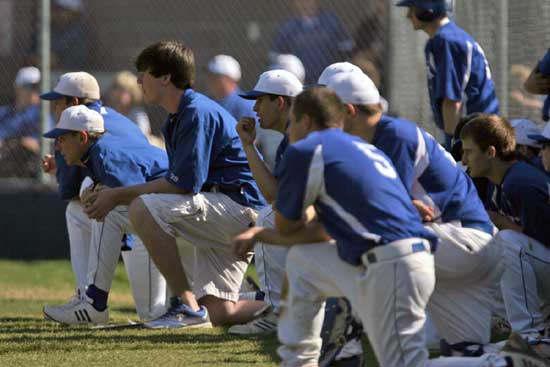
point(104, 37)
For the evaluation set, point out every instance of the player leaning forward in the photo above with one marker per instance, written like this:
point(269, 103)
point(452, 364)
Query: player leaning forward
point(381, 256)
point(467, 261)
point(207, 195)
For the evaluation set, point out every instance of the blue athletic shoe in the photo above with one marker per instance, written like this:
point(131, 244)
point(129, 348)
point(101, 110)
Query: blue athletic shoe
point(180, 315)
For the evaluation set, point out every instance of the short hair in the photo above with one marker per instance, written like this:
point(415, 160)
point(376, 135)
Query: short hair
point(169, 58)
point(322, 105)
point(81, 100)
point(370, 110)
point(492, 130)
point(287, 99)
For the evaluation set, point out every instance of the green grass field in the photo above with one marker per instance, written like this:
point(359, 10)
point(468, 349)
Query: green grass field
point(27, 340)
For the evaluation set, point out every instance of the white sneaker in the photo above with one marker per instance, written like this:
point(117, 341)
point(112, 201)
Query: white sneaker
point(522, 355)
point(78, 311)
point(180, 315)
point(265, 324)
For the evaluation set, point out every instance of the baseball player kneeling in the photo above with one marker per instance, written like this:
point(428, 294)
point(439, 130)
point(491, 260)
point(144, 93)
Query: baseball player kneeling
point(381, 256)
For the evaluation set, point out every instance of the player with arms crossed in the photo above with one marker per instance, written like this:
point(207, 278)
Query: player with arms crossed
point(148, 287)
point(467, 262)
point(381, 258)
point(459, 77)
point(207, 195)
point(523, 209)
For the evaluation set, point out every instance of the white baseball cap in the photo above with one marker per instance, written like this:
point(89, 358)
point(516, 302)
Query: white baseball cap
point(77, 118)
point(277, 82)
point(354, 88)
point(523, 129)
point(28, 75)
point(544, 137)
point(290, 63)
point(77, 84)
point(225, 65)
point(337, 68)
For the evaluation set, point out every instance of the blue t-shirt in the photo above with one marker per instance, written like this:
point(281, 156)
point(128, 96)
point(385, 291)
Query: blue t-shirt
point(458, 70)
point(524, 197)
point(238, 107)
point(204, 151)
point(430, 174)
point(115, 161)
point(317, 41)
point(70, 178)
point(17, 124)
point(355, 189)
point(279, 156)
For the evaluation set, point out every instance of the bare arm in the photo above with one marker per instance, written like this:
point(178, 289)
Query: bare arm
point(451, 115)
point(537, 83)
point(503, 222)
point(100, 203)
point(313, 232)
point(246, 128)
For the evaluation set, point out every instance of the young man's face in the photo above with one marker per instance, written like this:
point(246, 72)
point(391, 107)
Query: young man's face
point(476, 160)
point(545, 154)
point(411, 15)
point(71, 147)
point(268, 111)
point(58, 106)
point(151, 87)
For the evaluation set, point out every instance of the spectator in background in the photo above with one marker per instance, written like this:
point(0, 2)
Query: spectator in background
point(544, 140)
point(224, 74)
point(71, 37)
point(538, 82)
point(318, 38)
point(20, 127)
point(125, 96)
point(290, 63)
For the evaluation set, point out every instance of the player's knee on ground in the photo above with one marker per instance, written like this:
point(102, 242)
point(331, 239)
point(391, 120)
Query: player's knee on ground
point(220, 311)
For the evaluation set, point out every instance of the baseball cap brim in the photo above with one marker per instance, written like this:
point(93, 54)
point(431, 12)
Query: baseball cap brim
point(539, 138)
point(51, 96)
point(252, 94)
point(406, 3)
point(56, 133)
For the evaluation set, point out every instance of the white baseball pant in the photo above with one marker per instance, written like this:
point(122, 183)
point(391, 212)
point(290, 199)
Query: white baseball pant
point(468, 269)
point(390, 297)
point(270, 261)
point(525, 282)
point(208, 221)
point(148, 285)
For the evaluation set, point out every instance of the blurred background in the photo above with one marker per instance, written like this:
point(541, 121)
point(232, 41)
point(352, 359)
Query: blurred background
point(104, 37)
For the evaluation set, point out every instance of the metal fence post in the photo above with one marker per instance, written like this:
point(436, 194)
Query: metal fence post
point(44, 16)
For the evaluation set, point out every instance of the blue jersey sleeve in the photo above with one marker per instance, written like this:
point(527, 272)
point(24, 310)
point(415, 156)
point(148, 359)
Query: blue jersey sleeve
point(190, 162)
point(451, 65)
point(292, 185)
point(403, 158)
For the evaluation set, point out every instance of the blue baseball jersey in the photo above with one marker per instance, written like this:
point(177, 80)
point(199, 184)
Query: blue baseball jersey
point(317, 41)
point(430, 174)
point(355, 189)
point(279, 156)
point(458, 70)
point(115, 161)
point(70, 178)
point(238, 107)
point(16, 124)
point(204, 151)
point(524, 197)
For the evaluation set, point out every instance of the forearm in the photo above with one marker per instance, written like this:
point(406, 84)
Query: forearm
point(451, 115)
point(312, 233)
point(263, 177)
point(125, 195)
